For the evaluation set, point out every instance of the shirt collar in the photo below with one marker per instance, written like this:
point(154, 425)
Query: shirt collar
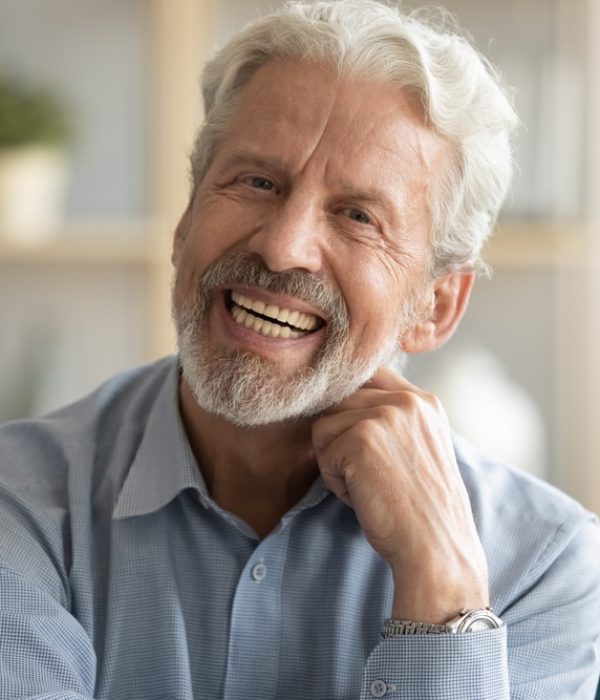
point(164, 464)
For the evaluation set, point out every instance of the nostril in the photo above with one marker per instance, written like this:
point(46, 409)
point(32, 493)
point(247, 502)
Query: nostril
point(287, 245)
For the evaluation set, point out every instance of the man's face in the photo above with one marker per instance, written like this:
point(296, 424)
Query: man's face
point(305, 246)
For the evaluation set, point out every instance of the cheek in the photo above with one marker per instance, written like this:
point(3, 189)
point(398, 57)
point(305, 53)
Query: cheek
point(374, 299)
point(204, 245)
point(378, 294)
point(182, 284)
point(216, 234)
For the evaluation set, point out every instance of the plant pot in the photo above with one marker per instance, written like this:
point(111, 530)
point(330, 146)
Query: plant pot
point(33, 183)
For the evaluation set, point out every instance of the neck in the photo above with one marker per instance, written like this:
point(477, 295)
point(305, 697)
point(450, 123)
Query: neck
point(257, 473)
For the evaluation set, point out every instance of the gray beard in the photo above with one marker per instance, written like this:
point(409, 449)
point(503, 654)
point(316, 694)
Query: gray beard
point(248, 390)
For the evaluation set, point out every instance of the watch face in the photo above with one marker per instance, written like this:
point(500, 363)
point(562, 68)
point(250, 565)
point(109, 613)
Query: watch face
point(479, 621)
point(481, 624)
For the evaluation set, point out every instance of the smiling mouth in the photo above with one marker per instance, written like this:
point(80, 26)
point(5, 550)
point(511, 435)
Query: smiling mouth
point(270, 320)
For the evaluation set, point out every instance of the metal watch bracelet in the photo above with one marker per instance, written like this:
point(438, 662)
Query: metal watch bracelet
point(465, 621)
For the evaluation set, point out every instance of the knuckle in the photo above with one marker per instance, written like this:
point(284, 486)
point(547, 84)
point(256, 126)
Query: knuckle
point(432, 400)
point(369, 432)
point(420, 402)
point(387, 413)
point(363, 430)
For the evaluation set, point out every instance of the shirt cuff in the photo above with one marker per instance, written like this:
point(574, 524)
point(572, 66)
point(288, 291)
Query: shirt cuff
point(466, 666)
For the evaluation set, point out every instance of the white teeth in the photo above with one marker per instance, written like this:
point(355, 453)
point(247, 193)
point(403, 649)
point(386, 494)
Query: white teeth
point(303, 322)
point(284, 314)
point(262, 326)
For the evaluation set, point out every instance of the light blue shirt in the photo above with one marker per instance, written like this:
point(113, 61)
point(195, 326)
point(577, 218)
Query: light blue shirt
point(121, 579)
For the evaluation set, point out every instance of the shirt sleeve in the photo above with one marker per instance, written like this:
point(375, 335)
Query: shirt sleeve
point(549, 648)
point(44, 651)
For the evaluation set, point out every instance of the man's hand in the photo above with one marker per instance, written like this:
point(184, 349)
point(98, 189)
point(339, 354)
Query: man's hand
point(386, 451)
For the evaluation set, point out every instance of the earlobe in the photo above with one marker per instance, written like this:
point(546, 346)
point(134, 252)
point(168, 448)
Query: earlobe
point(448, 300)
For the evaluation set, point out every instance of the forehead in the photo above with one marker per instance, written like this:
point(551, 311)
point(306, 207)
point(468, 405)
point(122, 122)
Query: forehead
point(303, 113)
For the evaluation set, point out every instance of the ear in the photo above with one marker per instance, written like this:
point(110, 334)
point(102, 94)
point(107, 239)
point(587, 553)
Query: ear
point(181, 232)
point(444, 304)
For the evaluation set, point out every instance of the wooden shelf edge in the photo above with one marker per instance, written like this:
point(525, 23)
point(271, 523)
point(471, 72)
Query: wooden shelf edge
point(147, 243)
point(538, 245)
point(113, 243)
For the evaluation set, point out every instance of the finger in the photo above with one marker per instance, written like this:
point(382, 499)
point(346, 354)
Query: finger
point(390, 380)
point(406, 397)
point(337, 485)
point(362, 398)
point(332, 426)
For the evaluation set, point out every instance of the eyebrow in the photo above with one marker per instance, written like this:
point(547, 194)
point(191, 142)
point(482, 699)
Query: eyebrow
point(392, 209)
point(238, 159)
point(376, 197)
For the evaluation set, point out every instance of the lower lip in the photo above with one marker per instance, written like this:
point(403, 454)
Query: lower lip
point(253, 340)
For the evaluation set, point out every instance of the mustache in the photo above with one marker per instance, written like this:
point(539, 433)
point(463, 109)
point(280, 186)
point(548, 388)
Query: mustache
point(243, 269)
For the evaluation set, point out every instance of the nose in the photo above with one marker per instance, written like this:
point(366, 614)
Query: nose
point(290, 238)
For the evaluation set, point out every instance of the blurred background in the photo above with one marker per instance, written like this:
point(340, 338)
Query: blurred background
point(99, 100)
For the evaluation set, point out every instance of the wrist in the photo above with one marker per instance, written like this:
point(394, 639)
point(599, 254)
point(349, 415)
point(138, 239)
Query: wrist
point(434, 610)
point(435, 600)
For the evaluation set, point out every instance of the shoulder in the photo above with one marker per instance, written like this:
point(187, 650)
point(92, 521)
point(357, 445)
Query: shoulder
point(57, 470)
point(118, 406)
point(80, 452)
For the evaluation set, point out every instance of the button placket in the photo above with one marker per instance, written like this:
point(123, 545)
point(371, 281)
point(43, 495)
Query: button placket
point(255, 623)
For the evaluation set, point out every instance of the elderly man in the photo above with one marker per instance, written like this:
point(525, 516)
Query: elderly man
point(274, 514)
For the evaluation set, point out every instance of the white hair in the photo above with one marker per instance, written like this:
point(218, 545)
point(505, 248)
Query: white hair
point(462, 96)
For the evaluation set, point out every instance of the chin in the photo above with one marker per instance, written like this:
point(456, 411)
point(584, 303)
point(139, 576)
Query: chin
point(249, 391)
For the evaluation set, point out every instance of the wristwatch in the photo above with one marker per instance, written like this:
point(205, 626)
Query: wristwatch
point(465, 621)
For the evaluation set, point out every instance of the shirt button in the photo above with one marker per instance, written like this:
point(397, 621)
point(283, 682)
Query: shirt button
point(378, 689)
point(259, 572)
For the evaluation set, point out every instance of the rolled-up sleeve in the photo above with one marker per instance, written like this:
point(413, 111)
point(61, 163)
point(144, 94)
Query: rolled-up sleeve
point(549, 648)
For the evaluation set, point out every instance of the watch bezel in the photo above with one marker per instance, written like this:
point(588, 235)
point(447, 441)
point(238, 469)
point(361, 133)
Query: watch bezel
point(466, 619)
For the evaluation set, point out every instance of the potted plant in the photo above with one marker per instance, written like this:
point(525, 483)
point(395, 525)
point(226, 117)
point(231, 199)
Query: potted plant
point(34, 133)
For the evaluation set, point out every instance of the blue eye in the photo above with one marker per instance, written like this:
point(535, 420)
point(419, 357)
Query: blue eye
point(357, 215)
point(261, 183)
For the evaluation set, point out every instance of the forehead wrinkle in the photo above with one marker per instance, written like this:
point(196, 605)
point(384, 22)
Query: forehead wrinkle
point(289, 113)
point(326, 126)
point(397, 118)
point(420, 141)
